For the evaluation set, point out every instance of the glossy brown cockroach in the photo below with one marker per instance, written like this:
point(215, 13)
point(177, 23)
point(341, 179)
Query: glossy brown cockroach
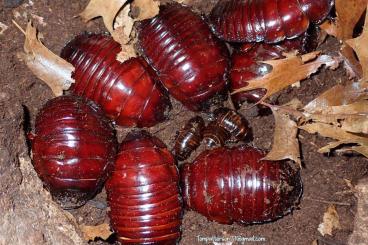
point(74, 148)
point(235, 185)
point(227, 125)
point(189, 60)
point(189, 138)
point(128, 92)
point(271, 21)
point(215, 135)
point(143, 192)
point(232, 122)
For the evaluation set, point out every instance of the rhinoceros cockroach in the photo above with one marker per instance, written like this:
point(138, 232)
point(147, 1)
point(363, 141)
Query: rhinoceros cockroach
point(127, 91)
point(270, 21)
point(189, 60)
point(235, 185)
point(143, 192)
point(74, 148)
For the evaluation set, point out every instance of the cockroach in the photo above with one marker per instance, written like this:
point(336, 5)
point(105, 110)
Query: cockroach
point(143, 192)
point(190, 61)
point(128, 92)
point(247, 63)
point(189, 138)
point(271, 21)
point(214, 135)
point(74, 148)
point(230, 185)
point(232, 122)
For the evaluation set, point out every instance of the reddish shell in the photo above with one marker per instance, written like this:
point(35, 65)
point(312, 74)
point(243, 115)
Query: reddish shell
point(235, 185)
point(73, 148)
point(246, 64)
point(190, 61)
point(189, 138)
point(143, 192)
point(126, 91)
point(266, 20)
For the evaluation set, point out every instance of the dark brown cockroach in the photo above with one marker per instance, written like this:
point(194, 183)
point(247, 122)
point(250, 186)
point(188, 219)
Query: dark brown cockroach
point(127, 91)
point(232, 122)
point(189, 60)
point(189, 138)
point(143, 192)
point(214, 135)
point(74, 148)
point(235, 185)
point(271, 21)
point(247, 63)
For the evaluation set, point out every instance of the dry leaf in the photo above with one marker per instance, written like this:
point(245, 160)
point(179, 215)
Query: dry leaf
point(288, 71)
point(106, 9)
point(285, 143)
point(123, 26)
point(47, 66)
point(3, 28)
point(348, 14)
point(330, 221)
point(91, 232)
point(340, 135)
point(360, 233)
point(146, 9)
point(360, 45)
point(338, 95)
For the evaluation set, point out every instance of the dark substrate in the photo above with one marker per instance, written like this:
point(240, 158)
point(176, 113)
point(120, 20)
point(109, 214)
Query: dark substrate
point(323, 176)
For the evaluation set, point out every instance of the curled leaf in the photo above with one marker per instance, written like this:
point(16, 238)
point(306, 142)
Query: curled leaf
point(360, 44)
point(106, 9)
point(47, 66)
point(285, 142)
point(340, 135)
point(338, 95)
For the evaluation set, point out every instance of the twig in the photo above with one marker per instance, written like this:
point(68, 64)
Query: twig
point(328, 202)
point(18, 26)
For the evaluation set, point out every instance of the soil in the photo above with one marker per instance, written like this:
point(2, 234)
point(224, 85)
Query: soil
point(22, 95)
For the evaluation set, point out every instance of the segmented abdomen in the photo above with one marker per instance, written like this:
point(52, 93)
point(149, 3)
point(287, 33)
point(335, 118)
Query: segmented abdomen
point(190, 61)
point(235, 185)
point(73, 148)
point(126, 91)
point(143, 193)
point(266, 20)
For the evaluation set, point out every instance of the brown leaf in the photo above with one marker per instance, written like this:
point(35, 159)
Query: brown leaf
point(47, 66)
point(360, 44)
point(123, 26)
point(330, 221)
point(338, 95)
point(91, 232)
point(106, 9)
point(348, 15)
point(337, 133)
point(288, 71)
point(285, 143)
point(146, 9)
